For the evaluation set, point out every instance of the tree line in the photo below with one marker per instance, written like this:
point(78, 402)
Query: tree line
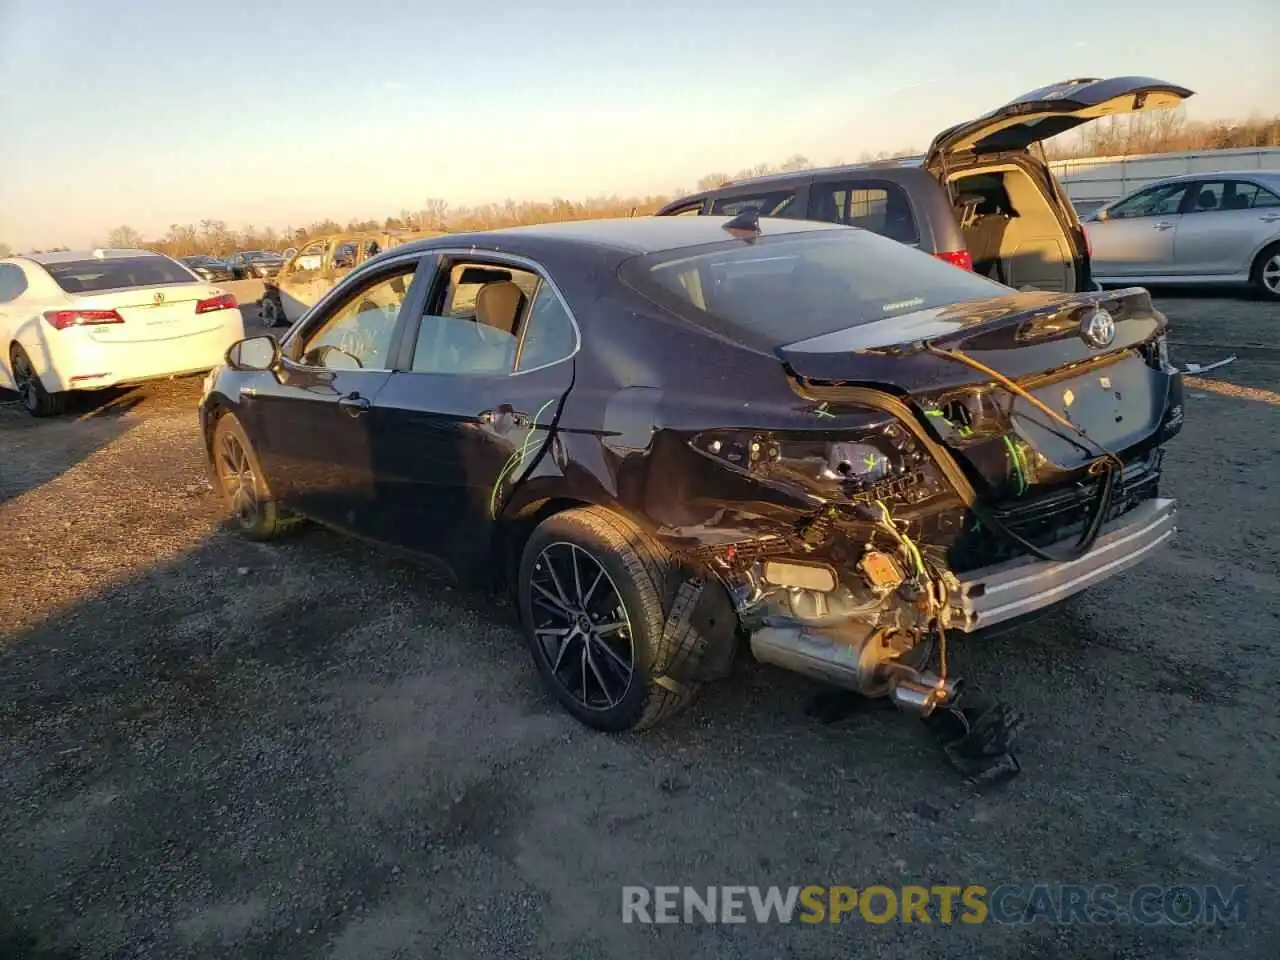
point(1162, 131)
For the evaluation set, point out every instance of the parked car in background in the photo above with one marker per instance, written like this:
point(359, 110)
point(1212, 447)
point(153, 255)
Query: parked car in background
point(980, 198)
point(88, 319)
point(209, 268)
point(1211, 228)
point(665, 433)
point(321, 263)
point(255, 264)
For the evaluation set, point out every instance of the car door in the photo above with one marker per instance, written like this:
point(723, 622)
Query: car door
point(297, 283)
point(1135, 237)
point(471, 407)
point(309, 420)
point(1226, 222)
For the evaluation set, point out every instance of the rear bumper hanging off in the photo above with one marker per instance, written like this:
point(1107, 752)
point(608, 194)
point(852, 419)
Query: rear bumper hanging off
point(994, 594)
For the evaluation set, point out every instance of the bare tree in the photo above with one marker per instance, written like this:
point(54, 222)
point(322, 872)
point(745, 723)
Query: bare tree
point(5, 250)
point(434, 214)
point(124, 238)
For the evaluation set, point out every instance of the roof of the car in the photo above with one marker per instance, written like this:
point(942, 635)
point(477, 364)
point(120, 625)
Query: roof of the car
point(1219, 174)
point(896, 163)
point(69, 256)
point(635, 235)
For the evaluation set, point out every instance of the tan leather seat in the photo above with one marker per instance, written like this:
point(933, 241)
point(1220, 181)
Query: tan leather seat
point(498, 305)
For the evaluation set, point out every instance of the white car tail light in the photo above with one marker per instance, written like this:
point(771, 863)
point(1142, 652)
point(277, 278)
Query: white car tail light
point(61, 319)
point(225, 301)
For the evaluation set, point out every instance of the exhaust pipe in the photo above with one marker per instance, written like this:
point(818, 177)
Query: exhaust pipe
point(852, 657)
point(921, 692)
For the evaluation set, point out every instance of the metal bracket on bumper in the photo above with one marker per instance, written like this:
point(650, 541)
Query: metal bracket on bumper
point(994, 594)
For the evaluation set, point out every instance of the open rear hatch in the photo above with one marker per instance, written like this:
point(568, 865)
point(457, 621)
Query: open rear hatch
point(1095, 359)
point(1052, 110)
point(1006, 196)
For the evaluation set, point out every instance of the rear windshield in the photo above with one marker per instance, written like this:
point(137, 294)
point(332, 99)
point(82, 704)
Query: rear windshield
point(780, 290)
point(91, 276)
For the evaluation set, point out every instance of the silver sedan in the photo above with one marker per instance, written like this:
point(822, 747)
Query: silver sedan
point(1209, 228)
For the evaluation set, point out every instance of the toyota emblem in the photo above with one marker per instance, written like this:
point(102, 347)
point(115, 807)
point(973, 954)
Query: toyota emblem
point(159, 298)
point(1098, 329)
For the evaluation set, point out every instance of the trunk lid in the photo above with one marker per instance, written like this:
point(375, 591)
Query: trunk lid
point(1052, 110)
point(1092, 358)
point(162, 312)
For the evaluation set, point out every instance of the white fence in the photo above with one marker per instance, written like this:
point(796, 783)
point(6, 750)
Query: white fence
point(1092, 181)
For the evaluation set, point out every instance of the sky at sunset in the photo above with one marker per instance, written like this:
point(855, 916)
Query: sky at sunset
point(150, 112)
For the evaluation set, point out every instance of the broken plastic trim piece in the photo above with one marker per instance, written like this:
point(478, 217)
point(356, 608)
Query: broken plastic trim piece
point(1194, 368)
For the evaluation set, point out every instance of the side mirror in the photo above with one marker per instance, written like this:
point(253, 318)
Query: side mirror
point(254, 354)
point(1102, 215)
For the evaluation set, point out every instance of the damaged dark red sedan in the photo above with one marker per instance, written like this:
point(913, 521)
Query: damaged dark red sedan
point(672, 435)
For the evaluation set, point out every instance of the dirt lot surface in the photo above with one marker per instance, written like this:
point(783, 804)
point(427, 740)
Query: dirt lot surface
point(212, 748)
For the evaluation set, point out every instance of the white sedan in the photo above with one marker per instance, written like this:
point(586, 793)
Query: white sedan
point(85, 320)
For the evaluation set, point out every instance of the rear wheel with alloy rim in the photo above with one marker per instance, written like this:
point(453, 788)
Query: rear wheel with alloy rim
point(36, 400)
point(242, 484)
point(594, 594)
point(1266, 272)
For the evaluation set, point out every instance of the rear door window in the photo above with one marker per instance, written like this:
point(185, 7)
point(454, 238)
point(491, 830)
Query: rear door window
point(876, 205)
point(116, 273)
point(768, 204)
point(1230, 195)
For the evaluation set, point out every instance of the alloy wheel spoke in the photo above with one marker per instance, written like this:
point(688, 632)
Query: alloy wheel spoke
point(586, 599)
point(622, 665)
point(577, 577)
point(595, 671)
point(555, 579)
point(549, 597)
point(564, 647)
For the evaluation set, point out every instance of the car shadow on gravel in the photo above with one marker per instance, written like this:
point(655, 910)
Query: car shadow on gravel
point(29, 460)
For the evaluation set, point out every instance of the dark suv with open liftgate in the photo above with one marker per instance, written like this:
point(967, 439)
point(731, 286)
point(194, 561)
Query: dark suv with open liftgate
point(980, 198)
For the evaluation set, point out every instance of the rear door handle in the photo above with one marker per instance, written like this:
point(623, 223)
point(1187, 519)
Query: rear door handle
point(1162, 225)
point(1270, 217)
point(354, 404)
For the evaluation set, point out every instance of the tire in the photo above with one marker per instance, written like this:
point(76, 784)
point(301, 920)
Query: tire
point(36, 400)
point(1265, 274)
point(269, 312)
point(254, 512)
point(641, 576)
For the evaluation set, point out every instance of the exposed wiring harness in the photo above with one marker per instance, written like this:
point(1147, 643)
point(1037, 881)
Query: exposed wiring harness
point(935, 587)
point(1106, 465)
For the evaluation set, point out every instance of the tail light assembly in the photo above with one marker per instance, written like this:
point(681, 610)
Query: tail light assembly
point(225, 301)
point(62, 319)
point(877, 463)
point(957, 258)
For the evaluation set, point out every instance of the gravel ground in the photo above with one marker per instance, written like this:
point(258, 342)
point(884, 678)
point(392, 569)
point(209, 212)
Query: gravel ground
point(214, 748)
